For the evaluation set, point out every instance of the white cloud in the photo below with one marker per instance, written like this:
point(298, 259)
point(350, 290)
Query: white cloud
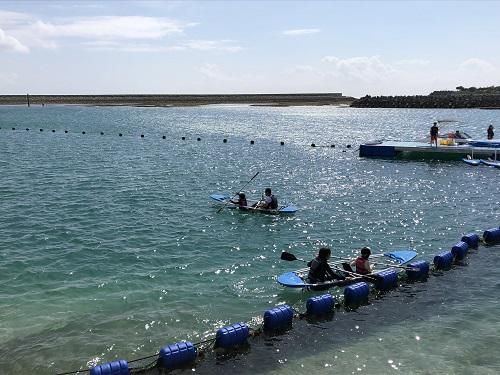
point(363, 67)
point(296, 32)
point(418, 62)
point(111, 33)
point(210, 70)
point(10, 19)
point(9, 43)
point(111, 28)
point(211, 45)
point(8, 78)
point(478, 65)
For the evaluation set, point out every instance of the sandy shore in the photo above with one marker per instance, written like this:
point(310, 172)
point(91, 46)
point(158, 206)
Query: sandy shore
point(180, 100)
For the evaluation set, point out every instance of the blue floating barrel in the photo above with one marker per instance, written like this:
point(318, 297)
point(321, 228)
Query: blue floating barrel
point(471, 239)
point(417, 270)
point(229, 336)
point(491, 236)
point(356, 293)
point(443, 260)
point(177, 355)
point(386, 279)
point(111, 368)
point(320, 305)
point(459, 250)
point(279, 317)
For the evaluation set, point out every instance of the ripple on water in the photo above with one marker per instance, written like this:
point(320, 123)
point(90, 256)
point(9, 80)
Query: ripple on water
point(110, 247)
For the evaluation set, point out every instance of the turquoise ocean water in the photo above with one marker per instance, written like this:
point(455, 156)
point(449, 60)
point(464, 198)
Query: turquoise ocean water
point(110, 247)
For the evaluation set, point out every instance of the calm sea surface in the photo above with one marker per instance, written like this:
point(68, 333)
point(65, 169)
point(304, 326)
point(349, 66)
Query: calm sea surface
point(110, 247)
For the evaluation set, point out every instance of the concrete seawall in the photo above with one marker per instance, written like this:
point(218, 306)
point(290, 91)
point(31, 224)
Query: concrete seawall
point(181, 100)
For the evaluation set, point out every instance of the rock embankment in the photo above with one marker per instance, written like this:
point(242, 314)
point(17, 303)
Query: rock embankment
point(488, 97)
point(181, 100)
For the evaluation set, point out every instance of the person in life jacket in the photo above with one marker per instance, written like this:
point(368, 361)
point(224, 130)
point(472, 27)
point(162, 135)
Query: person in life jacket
point(268, 201)
point(242, 201)
point(362, 264)
point(320, 270)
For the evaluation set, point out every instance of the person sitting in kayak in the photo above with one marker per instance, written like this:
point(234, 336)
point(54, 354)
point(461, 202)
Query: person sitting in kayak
point(241, 202)
point(362, 264)
point(320, 270)
point(268, 201)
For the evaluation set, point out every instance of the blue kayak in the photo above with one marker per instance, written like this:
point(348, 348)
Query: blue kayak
point(474, 162)
point(282, 210)
point(298, 279)
point(491, 163)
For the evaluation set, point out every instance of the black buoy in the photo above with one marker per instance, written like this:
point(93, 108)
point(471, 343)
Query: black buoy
point(183, 138)
point(53, 131)
point(27, 129)
point(224, 140)
point(102, 133)
point(65, 131)
point(41, 130)
point(313, 145)
point(198, 139)
point(343, 150)
point(13, 128)
point(83, 132)
point(332, 146)
point(120, 134)
point(252, 142)
point(348, 146)
point(142, 135)
point(164, 137)
point(282, 143)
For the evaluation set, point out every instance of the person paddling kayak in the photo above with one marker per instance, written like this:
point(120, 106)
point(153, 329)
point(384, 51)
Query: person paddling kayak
point(268, 201)
point(320, 270)
point(241, 202)
point(362, 264)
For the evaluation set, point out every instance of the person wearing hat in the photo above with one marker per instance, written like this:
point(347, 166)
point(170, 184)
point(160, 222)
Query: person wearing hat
point(362, 264)
point(490, 132)
point(434, 134)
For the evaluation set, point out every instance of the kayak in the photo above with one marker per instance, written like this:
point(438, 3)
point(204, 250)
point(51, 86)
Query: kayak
point(474, 162)
point(282, 210)
point(298, 279)
point(490, 163)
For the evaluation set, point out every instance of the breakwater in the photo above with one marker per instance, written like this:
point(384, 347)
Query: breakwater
point(179, 100)
point(434, 100)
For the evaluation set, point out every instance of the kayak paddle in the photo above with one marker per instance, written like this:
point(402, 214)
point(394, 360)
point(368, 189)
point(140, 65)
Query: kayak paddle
point(244, 186)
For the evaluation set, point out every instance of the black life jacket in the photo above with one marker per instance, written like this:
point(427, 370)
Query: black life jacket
point(274, 203)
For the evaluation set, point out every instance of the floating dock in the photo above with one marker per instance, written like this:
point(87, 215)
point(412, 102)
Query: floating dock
point(421, 150)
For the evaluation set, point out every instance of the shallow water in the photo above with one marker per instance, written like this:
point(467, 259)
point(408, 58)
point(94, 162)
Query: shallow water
point(111, 249)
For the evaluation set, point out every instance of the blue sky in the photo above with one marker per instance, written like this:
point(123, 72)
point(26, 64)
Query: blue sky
point(209, 47)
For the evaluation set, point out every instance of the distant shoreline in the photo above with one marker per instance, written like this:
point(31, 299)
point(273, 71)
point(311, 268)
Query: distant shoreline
point(272, 100)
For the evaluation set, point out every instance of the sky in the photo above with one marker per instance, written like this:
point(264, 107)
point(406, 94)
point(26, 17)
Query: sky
point(230, 47)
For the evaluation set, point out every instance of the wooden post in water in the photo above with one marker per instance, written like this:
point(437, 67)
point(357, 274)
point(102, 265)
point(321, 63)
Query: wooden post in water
point(28, 99)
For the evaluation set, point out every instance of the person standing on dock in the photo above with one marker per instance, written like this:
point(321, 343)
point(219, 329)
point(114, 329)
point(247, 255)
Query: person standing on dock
point(490, 132)
point(434, 134)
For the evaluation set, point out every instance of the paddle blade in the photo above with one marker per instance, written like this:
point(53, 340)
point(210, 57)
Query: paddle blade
point(287, 256)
